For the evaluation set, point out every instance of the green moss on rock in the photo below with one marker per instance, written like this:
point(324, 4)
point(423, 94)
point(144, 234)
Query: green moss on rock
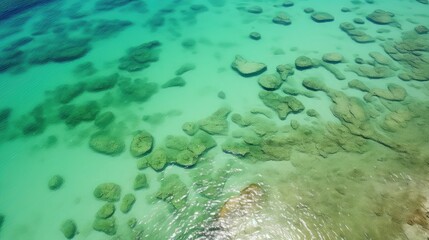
point(190, 128)
point(158, 159)
point(103, 120)
point(110, 192)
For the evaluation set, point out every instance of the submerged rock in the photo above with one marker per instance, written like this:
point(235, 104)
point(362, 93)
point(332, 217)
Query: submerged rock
point(106, 211)
point(102, 83)
point(185, 68)
point(216, 123)
point(190, 128)
point(141, 144)
point(332, 57)
point(104, 119)
point(247, 68)
point(59, 50)
point(140, 181)
point(73, 115)
point(69, 229)
point(158, 159)
point(174, 82)
point(173, 191)
point(255, 35)
point(270, 82)
point(282, 18)
point(140, 57)
point(371, 72)
point(255, 9)
point(110, 192)
point(247, 201)
point(127, 202)
point(104, 142)
point(357, 35)
point(322, 17)
point(67, 92)
point(303, 62)
point(381, 17)
point(139, 90)
point(55, 182)
point(107, 5)
point(107, 226)
point(282, 105)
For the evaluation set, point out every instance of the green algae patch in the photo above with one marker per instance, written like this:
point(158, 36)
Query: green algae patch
point(216, 123)
point(282, 105)
point(73, 115)
point(173, 191)
point(110, 192)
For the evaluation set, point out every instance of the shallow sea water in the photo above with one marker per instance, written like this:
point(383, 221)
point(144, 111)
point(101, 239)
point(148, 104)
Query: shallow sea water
point(329, 151)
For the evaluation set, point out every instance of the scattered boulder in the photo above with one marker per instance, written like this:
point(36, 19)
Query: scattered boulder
point(285, 70)
point(255, 9)
point(178, 143)
point(359, 85)
point(110, 192)
point(127, 202)
point(104, 142)
point(314, 84)
point(85, 69)
point(282, 18)
point(235, 148)
point(157, 159)
point(102, 83)
point(55, 182)
point(69, 229)
point(332, 57)
point(201, 143)
point(141, 144)
point(421, 29)
point(106, 211)
point(140, 182)
point(221, 95)
point(308, 10)
point(104, 119)
point(358, 20)
point(107, 226)
point(246, 68)
point(287, 4)
point(108, 28)
point(322, 17)
point(174, 82)
point(394, 92)
point(216, 123)
point(142, 163)
point(59, 50)
point(303, 62)
point(357, 35)
point(381, 17)
point(345, 9)
point(140, 57)
point(185, 68)
point(270, 82)
point(282, 105)
point(173, 191)
point(255, 35)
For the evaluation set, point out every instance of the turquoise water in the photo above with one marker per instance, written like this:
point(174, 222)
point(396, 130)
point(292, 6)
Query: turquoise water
point(173, 115)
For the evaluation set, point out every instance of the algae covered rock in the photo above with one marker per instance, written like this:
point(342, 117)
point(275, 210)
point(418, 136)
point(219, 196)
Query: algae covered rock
point(69, 229)
point(314, 84)
point(381, 17)
point(142, 163)
point(235, 148)
point(127, 202)
point(247, 68)
point(332, 57)
point(185, 68)
point(190, 128)
point(106, 211)
point(303, 62)
point(173, 191)
point(270, 82)
point(174, 82)
point(178, 143)
point(138, 90)
point(108, 226)
point(140, 181)
point(142, 143)
point(158, 159)
point(73, 115)
point(186, 158)
point(67, 92)
point(282, 18)
point(201, 143)
point(140, 57)
point(282, 105)
point(110, 192)
point(104, 142)
point(216, 123)
point(55, 182)
point(322, 17)
point(102, 83)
